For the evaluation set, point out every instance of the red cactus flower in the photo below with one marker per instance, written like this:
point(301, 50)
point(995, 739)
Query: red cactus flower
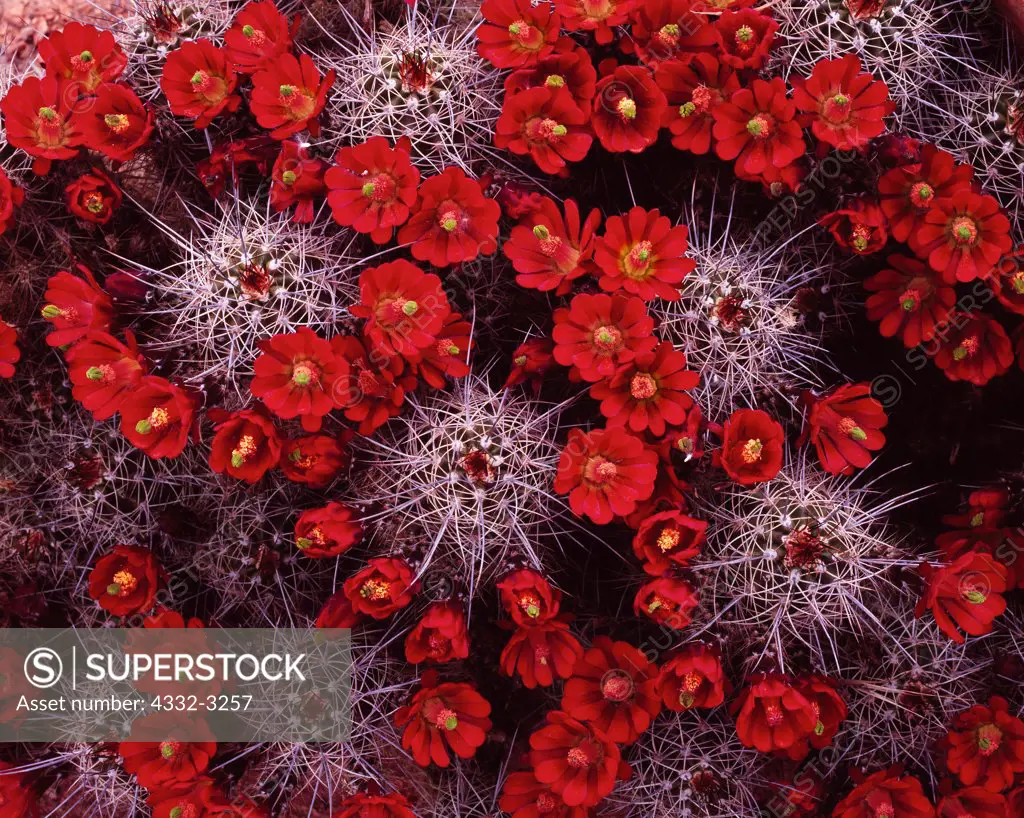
point(39, 119)
point(648, 393)
point(643, 254)
point(627, 110)
point(605, 473)
point(756, 127)
point(986, 508)
point(447, 356)
point(844, 426)
point(531, 360)
point(1007, 280)
point(288, 95)
point(1003, 544)
point(844, 107)
point(666, 601)
point(752, 444)
point(599, 333)
point(693, 678)
point(18, 795)
point(296, 179)
point(373, 187)
point(167, 765)
point(546, 124)
point(384, 586)
point(157, 417)
point(296, 375)
point(370, 394)
point(440, 636)
point(364, 805)
point(453, 221)
point(328, 531)
point(694, 88)
point(965, 594)
point(199, 82)
point(859, 228)
point(886, 793)
point(772, 714)
point(116, 124)
point(11, 197)
point(516, 33)
point(548, 251)
point(245, 444)
point(744, 38)
point(404, 307)
point(576, 760)
point(9, 352)
point(667, 29)
point(125, 581)
point(974, 348)
point(569, 67)
point(597, 16)
point(258, 36)
point(830, 710)
point(529, 598)
point(191, 800)
point(104, 372)
point(313, 459)
point(338, 612)
point(523, 796)
point(229, 159)
point(909, 299)
point(84, 55)
point(963, 238)
point(442, 717)
point(541, 653)
point(907, 192)
point(75, 306)
point(668, 539)
point(93, 196)
point(986, 746)
point(975, 801)
point(613, 688)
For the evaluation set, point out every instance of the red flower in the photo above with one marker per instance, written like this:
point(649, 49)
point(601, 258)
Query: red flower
point(231, 158)
point(523, 796)
point(296, 179)
point(296, 376)
point(1003, 544)
point(844, 427)
point(104, 372)
point(772, 715)
point(84, 55)
point(245, 444)
point(116, 123)
point(744, 38)
point(11, 197)
point(909, 299)
point(860, 228)
point(288, 95)
point(370, 394)
point(328, 531)
point(541, 653)
point(373, 187)
point(965, 594)
point(694, 88)
point(986, 508)
point(93, 196)
point(199, 82)
point(599, 333)
point(531, 361)
point(384, 586)
point(649, 392)
point(973, 348)
point(529, 598)
point(693, 678)
point(338, 612)
point(167, 765)
point(605, 473)
point(18, 797)
point(363, 805)
point(886, 793)
point(440, 636)
point(986, 746)
point(516, 33)
point(752, 444)
point(665, 29)
point(258, 37)
point(9, 352)
point(545, 123)
point(974, 801)
point(404, 307)
point(963, 238)
point(190, 802)
point(157, 417)
point(643, 254)
point(38, 118)
point(844, 107)
point(1007, 280)
point(569, 68)
point(576, 760)
point(598, 16)
point(667, 601)
point(829, 709)
point(125, 581)
point(549, 252)
point(627, 110)
point(756, 127)
point(668, 539)
point(447, 356)
point(313, 459)
point(449, 716)
point(74, 306)
point(453, 221)
point(906, 193)
point(613, 688)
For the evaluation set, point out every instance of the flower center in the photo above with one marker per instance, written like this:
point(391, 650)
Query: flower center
point(243, 451)
point(921, 194)
point(837, 108)
point(549, 244)
point(668, 539)
point(52, 311)
point(554, 81)
point(965, 231)
point(289, 177)
point(449, 220)
point(530, 605)
point(546, 803)
point(254, 35)
point(643, 386)
point(702, 97)
point(201, 82)
point(617, 686)
point(447, 719)
point(966, 348)
point(168, 749)
point(668, 34)
point(157, 419)
point(600, 471)
point(579, 757)
point(752, 450)
point(1017, 282)
point(184, 810)
point(305, 373)
point(94, 203)
point(381, 188)
point(760, 127)
point(989, 739)
point(848, 426)
point(639, 258)
point(861, 237)
point(626, 108)
point(910, 300)
point(746, 40)
point(773, 715)
point(376, 590)
point(974, 594)
point(103, 372)
point(123, 583)
point(521, 31)
point(118, 123)
point(82, 62)
point(607, 338)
